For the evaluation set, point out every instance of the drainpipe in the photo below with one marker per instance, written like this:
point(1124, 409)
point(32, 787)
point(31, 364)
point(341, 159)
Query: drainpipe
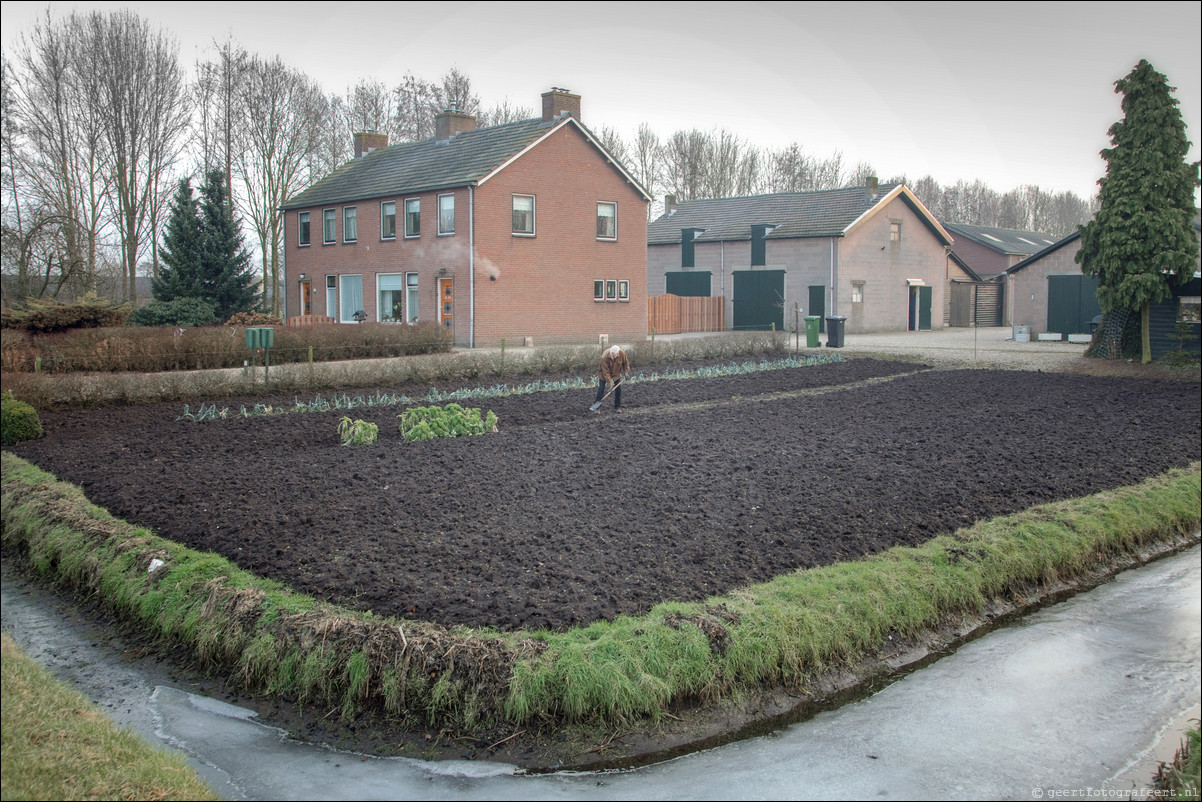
point(834, 306)
point(471, 266)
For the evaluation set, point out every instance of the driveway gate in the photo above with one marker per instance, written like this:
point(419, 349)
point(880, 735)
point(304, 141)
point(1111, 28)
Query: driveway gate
point(759, 300)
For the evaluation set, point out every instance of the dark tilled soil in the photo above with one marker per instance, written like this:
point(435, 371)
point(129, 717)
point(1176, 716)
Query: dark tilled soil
point(564, 516)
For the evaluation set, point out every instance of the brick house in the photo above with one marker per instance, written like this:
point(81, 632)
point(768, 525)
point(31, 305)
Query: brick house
point(872, 254)
point(524, 230)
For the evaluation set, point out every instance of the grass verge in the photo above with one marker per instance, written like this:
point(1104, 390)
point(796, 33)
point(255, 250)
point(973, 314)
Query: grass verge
point(782, 632)
point(57, 745)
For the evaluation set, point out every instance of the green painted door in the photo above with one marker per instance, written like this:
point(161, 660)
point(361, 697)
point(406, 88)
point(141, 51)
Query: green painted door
point(1072, 304)
point(818, 305)
point(759, 299)
point(924, 308)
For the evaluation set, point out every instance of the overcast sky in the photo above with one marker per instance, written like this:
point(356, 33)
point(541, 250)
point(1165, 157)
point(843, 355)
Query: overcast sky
point(1009, 93)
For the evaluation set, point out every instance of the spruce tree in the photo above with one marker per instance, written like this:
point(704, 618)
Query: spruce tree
point(1142, 240)
point(180, 276)
point(229, 279)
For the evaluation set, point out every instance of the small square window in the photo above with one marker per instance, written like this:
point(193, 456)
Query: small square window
point(857, 292)
point(388, 220)
point(413, 217)
point(446, 214)
point(523, 214)
point(611, 290)
point(623, 290)
point(1189, 310)
point(327, 226)
point(599, 290)
point(302, 228)
point(350, 226)
point(607, 221)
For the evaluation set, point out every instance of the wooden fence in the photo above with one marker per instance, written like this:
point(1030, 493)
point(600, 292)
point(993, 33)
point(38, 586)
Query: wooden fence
point(310, 320)
point(674, 314)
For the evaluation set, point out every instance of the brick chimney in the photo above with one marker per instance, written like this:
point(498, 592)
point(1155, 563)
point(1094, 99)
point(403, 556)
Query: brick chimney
point(872, 187)
point(451, 122)
point(557, 101)
point(367, 141)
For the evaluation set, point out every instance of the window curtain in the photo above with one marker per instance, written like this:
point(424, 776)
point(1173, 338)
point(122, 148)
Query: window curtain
point(352, 297)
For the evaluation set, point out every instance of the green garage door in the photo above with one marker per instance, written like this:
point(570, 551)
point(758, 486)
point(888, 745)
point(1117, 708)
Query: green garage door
point(759, 299)
point(1072, 304)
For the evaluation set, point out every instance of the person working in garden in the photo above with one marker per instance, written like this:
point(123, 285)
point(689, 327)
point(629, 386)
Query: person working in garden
point(614, 365)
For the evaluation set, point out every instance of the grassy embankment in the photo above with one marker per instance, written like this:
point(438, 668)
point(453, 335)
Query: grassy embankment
point(273, 641)
point(57, 745)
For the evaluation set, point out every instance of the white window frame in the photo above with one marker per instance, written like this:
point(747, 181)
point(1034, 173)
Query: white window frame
point(399, 293)
point(304, 229)
point(614, 217)
point(623, 291)
point(342, 291)
point(599, 290)
point(384, 217)
point(350, 223)
point(611, 289)
point(417, 202)
point(444, 231)
point(329, 219)
point(332, 296)
point(533, 216)
point(411, 298)
point(857, 292)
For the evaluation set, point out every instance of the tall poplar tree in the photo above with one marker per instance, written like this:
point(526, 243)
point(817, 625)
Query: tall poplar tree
point(1142, 242)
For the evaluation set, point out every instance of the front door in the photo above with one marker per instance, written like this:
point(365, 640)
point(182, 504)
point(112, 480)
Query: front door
point(306, 297)
point(920, 308)
point(446, 303)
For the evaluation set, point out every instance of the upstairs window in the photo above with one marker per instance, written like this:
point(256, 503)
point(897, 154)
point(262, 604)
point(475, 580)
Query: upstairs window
point(523, 214)
point(350, 225)
point(895, 231)
point(413, 217)
point(388, 220)
point(446, 214)
point(302, 228)
point(607, 221)
point(327, 226)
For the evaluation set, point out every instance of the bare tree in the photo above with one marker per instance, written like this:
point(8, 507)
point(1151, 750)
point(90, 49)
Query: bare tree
point(612, 141)
point(503, 113)
point(369, 107)
point(455, 93)
point(647, 159)
point(789, 170)
point(64, 169)
point(289, 107)
point(415, 100)
point(217, 98)
point(143, 118)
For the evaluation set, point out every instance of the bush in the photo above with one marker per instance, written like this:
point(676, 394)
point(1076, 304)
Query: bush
point(254, 319)
point(186, 312)
point(18, 421)
point(46, 315)
point(425, 423)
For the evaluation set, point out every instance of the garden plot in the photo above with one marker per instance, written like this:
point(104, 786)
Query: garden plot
point(564, 517)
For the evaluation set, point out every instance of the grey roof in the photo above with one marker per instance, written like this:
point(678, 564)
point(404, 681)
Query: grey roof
point(1002, 240)
point(410, 167)
point(822, 213)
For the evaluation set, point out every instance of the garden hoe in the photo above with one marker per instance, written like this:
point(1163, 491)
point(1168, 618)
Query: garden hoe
point(597, 405)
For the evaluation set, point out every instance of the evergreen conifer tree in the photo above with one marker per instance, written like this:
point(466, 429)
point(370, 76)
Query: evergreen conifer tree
point(1142, 239)
point(229, 279)
point(180, 276)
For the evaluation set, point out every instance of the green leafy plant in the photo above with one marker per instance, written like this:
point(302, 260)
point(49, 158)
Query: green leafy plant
point(18, 421)
point(425, 423)
point(357, 432)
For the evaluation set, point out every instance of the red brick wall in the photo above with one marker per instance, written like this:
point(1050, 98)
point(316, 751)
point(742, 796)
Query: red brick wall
point(544, 284)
